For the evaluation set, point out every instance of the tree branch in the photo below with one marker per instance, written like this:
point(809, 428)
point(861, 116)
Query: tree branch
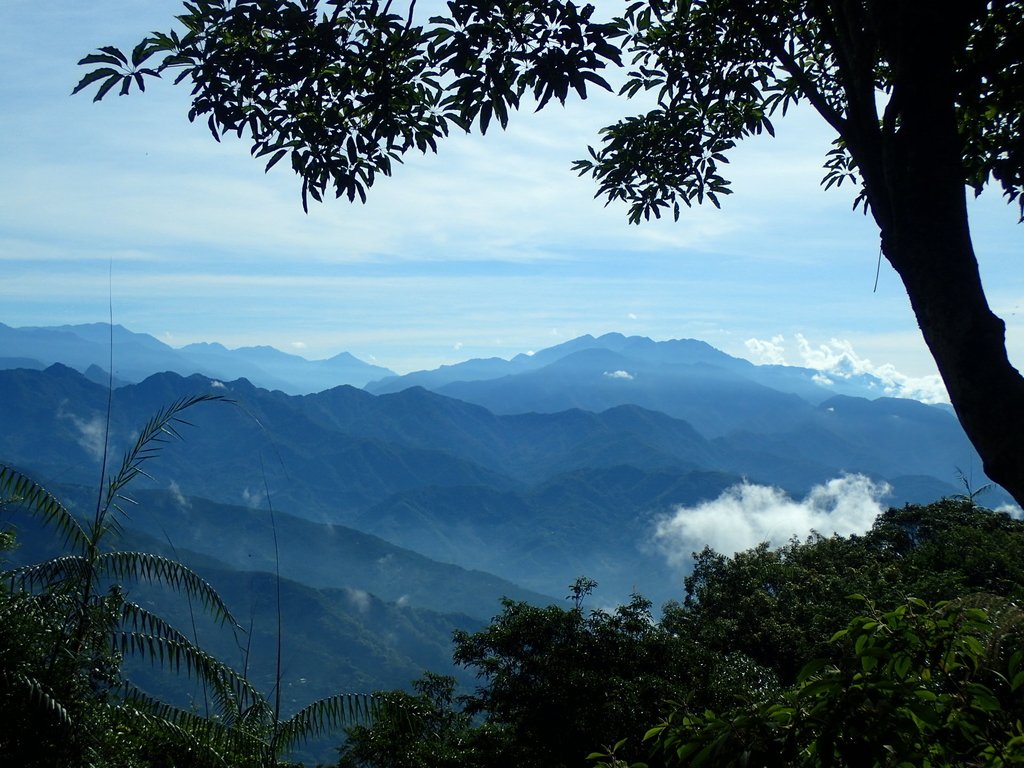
point(803, 80)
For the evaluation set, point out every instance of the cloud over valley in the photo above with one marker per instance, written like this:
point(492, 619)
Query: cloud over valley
point(747, 514)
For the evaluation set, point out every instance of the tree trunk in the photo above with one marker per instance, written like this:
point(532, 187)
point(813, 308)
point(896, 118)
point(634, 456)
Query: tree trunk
point(922, 212)
point(930, 247)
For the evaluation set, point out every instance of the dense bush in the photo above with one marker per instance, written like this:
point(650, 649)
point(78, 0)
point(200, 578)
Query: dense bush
point(925, 670)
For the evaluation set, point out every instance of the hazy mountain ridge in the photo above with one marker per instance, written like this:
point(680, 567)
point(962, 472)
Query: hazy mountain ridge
point(138, 355)
point(530, 497)
point(332, 639)
point(667, 363)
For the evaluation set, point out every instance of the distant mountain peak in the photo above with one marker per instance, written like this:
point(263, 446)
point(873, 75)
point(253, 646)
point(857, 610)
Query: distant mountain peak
point(138, 355)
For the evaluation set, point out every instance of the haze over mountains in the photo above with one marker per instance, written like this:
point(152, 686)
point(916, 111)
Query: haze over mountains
point(87, 348)
point(537, 468)
point(438, 492)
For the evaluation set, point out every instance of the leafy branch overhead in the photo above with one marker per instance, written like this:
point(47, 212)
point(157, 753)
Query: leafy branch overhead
point(348, 91)
point(347, 87)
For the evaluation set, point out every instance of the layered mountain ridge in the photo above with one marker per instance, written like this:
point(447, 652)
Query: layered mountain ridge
point(410, 507)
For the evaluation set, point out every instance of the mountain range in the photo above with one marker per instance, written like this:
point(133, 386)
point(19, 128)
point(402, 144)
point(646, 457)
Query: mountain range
point(91, 348)
point(559, 472)
point(427, 497)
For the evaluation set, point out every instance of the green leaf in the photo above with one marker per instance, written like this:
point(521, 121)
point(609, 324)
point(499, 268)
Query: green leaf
point(105, 88)
point(102, 58)
point(21, 490)
point(811, 668)
point(1018, 680)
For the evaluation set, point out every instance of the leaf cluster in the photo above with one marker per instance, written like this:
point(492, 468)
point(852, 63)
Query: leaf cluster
point(556, 682)
point(921, 684)
point(347, 87)
point(494, 53)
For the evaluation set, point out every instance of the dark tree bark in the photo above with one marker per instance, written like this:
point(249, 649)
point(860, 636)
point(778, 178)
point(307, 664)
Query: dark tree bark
point(917, 193)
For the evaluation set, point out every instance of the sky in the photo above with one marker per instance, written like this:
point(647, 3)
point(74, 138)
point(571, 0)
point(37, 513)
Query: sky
point(493, 247)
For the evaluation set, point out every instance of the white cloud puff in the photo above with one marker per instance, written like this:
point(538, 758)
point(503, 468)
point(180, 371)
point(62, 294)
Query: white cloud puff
point(252, 499)
point(619, 375)
point(179, 498)
point(360, 599)
point(217, 384)
point(838, 360)
point(747, 514)
point(1012, 510)
point(768, 352)
point(91, 432)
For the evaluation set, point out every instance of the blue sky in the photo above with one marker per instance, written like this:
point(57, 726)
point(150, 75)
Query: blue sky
point(493, 247)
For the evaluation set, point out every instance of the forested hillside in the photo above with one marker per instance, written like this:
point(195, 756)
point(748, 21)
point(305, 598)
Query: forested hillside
point(534, 498)
point(900, 647)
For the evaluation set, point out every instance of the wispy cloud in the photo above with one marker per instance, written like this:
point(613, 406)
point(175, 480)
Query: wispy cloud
point(619, 375)
point(358, 598)
point(747, 514)
point(179, 498)
point(839, 360)
point(1012, 510)
point(91, 432)
point(253, 500)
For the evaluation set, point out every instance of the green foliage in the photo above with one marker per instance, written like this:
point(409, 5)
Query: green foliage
point(925, 673)
point(556, 682)
point(749, 667)
point(778, 607)
point(921, 684)
point(75, 623)
point(424, 729)
point(348, 91)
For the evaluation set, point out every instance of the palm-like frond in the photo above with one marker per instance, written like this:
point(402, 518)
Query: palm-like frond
point(56, 573)
point(210, 740)
point(171, 649)
point(143, 566)
point(17, 489)
point(32, 693)
point(160, 429)
point(135, 618)
point(216, 736)
point(324, 717)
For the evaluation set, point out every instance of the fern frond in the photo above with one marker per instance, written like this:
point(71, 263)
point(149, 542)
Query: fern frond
point(189, 728)
point(159, 430)
point(22, 491)
point(138, 619)
point(143, 566)
point(31, 693)
point(229, 687)
point(54, 573)
point(324, 717)
point(193, 733)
